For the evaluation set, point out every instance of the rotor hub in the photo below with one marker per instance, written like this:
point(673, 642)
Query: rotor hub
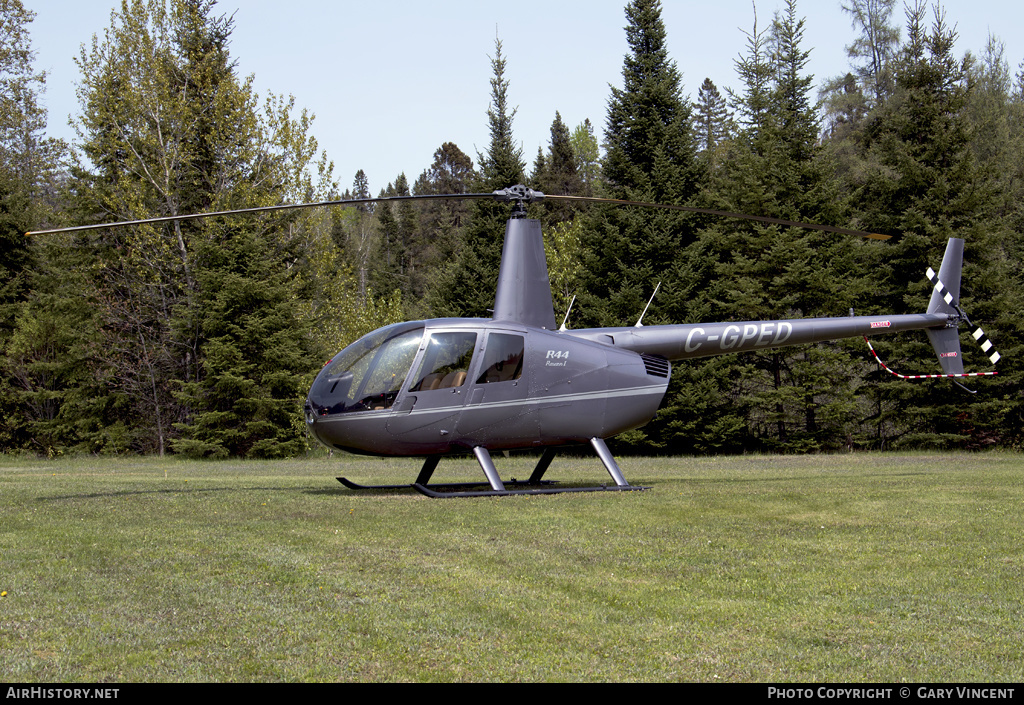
point(519, 196)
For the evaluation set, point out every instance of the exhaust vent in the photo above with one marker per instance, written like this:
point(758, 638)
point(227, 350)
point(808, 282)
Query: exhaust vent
point(656, 366)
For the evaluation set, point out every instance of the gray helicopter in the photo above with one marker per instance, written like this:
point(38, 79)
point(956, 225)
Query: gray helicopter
point(450, 386)
point(517, 380)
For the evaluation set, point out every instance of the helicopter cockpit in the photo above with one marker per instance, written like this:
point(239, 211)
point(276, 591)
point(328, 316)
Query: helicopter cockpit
point(368, 375)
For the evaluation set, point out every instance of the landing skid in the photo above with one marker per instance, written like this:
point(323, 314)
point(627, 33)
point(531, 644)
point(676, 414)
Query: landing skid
point(503, 493)
point(535, 485)
point(483, 483)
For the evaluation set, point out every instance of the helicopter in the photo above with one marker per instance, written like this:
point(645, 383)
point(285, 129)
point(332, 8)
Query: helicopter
point(518, 380)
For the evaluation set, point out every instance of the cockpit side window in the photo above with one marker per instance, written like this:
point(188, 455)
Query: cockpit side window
point(503, 359)
point(445, 361)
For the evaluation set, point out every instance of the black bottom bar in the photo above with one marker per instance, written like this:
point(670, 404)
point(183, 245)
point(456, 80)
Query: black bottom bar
point(354, 486)
point(541, 490)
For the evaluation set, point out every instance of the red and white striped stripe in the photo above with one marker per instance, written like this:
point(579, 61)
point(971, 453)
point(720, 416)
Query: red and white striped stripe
point(897, 374)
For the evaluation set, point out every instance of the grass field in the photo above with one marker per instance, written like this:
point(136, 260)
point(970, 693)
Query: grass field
point(838, 568)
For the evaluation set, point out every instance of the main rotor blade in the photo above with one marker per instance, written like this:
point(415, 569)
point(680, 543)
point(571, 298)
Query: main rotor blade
point(723, 214)
point(519, 194)
point(263, 209)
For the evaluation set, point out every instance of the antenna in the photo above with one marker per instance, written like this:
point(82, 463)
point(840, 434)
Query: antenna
point(566, 319)
point(638, 322)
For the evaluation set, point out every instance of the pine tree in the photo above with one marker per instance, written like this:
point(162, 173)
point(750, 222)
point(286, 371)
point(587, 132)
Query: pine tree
point(451, 172)
point(502, 165)
point(562, 171)
point(922, 184)
point(167, 127)
point(29, 386)
point(793, 399)
point(539, 169)
point(559, 174)
point(398, 263)
point(466, 287)
point(651, 156)
point(356, 228)
point(649, 138)
point(255, 355)
point(588, 156)
point(713, 121)
point(991, 116)
point(441, 222)
point(755, 73)
point(389, 257)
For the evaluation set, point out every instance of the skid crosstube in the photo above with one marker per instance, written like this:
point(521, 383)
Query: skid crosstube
point(535, 485)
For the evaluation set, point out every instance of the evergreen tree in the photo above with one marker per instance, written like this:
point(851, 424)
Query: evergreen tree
point(451, 172)
point(922, 184)
point(649, 139)
point(755, 73)
point(255, 354)
point(356, 232)
point(793, 399)
point(389, 257)
point(399, 264)
point(414, 265)
point(167, 127)
point(991, 116)
point(713, 121)
point(588, 156)
point(441, 222)
point(539, 167)
point(466, 287)
point(28, 179)
point(559, 174)
point(650, 156)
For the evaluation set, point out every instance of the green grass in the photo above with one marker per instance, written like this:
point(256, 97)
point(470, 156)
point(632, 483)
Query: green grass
point(840, 568)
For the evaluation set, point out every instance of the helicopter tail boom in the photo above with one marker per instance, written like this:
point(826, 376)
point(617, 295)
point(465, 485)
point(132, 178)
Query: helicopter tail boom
point(684, 342)
point(939, 322)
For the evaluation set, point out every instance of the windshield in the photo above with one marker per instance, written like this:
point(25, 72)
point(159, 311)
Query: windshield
point(368, 374)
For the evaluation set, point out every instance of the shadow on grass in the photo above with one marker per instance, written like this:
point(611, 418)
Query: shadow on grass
point(789, 478)
point(457, 489)
point(184, 490)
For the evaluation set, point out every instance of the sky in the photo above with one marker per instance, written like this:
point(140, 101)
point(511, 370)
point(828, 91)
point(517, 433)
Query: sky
point(389, 82)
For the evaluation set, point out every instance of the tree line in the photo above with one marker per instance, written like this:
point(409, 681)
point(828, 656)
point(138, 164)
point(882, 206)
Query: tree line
point(201, 337)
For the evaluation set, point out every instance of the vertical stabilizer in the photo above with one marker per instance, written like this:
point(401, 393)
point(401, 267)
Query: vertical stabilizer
point(946, 294)
point(524, 292)
point(945, 299)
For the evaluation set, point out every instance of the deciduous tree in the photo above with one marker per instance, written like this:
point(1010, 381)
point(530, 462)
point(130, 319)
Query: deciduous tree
point(168, 128)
